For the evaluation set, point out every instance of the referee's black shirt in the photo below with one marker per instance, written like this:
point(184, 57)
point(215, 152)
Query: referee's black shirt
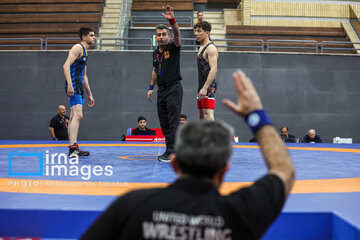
point(192, 209)
point(169, 60)
point(60, 128)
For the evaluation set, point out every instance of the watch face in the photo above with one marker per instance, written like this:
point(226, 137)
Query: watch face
point(253, 119)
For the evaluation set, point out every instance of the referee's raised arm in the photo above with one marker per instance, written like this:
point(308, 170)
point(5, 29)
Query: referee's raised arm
point(249, 106)
point(174, 26)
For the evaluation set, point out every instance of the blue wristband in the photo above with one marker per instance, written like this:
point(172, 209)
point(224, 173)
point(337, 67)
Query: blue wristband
point(54, 138)
point(257, 119)
point(151, 87)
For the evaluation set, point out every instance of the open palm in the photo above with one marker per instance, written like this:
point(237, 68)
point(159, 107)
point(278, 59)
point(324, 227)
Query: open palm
point(169, 13)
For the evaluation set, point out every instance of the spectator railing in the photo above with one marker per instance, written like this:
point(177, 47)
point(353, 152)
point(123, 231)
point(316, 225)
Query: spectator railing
point(47, 44)
point(147, 43)
point(159, 20)
point(185, 43)
point(338, 49)
point(40, 44)
point(189, 43)
point(261, 43)
point(268, 45)
point(124, 18)
point(119, 42)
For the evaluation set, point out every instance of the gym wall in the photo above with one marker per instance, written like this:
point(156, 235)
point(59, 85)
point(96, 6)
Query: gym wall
point(301, 91)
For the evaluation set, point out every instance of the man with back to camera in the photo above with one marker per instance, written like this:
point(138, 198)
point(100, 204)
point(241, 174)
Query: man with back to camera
point(76, 81)
point(166, 73)
point(58, 127)
point(142, 129)
point(311, 137)
point(207, 67)
point(191, 207)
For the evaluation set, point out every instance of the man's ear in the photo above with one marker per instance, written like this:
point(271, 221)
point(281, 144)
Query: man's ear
point(223, 171)
point(174, 163)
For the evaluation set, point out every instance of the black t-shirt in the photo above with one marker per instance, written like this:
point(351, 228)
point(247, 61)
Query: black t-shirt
point(307, 139)
point(169, 61)
point(192, 209)
point(60, 128)
point(287, 136)
point(145, 132)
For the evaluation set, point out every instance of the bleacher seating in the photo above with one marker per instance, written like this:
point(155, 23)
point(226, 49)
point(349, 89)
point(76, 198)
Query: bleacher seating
point(223, 3)
point(356, 25)
point(143, 24)
point(154, 5)
point(48, 18)
point(287, 33)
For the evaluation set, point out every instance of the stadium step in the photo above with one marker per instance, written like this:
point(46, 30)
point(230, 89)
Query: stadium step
point(110, 20)
point(112, 10)
point(216, 19)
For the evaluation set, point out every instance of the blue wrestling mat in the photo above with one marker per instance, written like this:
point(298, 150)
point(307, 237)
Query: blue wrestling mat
point(45, 194)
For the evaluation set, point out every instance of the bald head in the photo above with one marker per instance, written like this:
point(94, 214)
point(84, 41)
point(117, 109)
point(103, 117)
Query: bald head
point(61, 110)
point(284, 131)
point(311, 133)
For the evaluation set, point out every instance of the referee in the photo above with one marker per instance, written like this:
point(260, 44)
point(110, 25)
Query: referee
point(166, 73)
point(191, 207)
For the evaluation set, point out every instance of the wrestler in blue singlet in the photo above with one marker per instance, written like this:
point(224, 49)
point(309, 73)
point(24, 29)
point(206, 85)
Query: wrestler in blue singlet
point(77, 70)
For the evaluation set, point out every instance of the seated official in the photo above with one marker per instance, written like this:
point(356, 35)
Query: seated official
point(183, 118)
point(312, 137)
point(284, 134)
point(58, 127)
point(142, 129)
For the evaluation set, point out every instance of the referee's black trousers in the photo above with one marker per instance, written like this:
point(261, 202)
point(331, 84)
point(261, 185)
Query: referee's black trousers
point(169, 101)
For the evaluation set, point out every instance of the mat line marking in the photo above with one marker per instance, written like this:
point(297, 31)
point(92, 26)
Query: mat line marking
point(163, 145)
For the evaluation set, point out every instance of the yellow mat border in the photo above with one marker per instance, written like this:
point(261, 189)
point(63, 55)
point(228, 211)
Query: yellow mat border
point(350, 150)
point(340, 185)
point(118, 188)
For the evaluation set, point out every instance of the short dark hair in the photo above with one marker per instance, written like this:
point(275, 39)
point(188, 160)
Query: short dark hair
point(183, 116)
point(84, 31)
point(161, 27)
point(287, 129)
point(141, 118)
point(203, 147)
point(204, 25)
point(199, 12)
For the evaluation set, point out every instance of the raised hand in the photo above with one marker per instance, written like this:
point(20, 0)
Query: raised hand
point(169, 13)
